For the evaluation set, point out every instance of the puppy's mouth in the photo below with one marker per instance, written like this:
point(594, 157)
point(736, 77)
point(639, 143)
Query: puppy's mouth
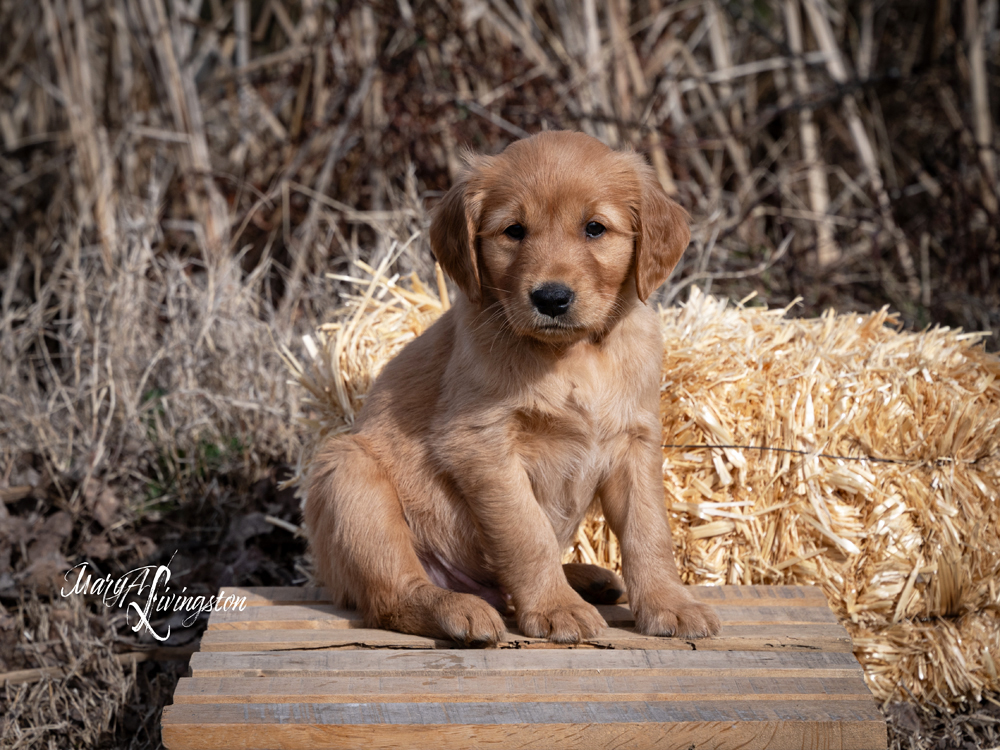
point(558, 329)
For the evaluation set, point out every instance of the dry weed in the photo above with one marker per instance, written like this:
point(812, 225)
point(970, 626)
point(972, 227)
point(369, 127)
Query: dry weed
point(77, 701)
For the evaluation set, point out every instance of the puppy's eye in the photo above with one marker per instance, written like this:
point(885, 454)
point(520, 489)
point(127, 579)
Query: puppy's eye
point(595, 229)
point(515, 232)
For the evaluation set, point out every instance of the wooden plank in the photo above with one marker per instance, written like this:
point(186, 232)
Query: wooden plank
point(825, 637)
point(291, 616)
point(809, 596)
point(784, 596)
point(257, 596)
point(292, 671)
point(775, 725)
point(328, 617)
point(363, 662)
point(636, 686)
point(291, 640)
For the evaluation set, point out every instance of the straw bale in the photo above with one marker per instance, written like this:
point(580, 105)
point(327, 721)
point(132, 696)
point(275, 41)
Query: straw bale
point(905, 547)
point(852, 456)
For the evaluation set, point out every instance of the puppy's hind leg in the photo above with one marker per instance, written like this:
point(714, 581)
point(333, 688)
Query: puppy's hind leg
point(365, 551)
point(594, 584)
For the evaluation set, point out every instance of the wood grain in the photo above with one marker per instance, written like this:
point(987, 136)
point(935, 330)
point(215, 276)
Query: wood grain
point(636, 686)
point(785, 596)
point(328, 617)
point(422, 663)
point(826, 637)
point(848, 725)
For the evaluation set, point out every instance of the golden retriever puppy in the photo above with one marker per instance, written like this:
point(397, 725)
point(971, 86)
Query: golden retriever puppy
point(484, 442)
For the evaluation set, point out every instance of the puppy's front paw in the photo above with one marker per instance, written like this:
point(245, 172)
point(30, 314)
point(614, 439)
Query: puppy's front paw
point(569, 622)
point(676, 613)
point(470, 620)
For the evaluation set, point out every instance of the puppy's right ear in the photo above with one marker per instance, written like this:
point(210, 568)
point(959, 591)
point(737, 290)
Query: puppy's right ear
point(453, 234)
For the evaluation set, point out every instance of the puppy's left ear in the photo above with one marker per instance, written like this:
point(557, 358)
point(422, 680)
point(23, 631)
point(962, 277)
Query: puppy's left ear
point(661, 236)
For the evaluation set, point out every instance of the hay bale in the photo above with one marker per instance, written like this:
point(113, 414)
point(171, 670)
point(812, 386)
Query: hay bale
point(857, 458)
point(905, 547)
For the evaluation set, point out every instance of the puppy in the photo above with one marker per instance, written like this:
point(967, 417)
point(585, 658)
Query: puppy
point(484, 442)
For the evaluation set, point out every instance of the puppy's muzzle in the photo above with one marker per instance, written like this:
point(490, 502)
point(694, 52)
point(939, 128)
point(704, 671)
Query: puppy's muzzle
point(552, 299)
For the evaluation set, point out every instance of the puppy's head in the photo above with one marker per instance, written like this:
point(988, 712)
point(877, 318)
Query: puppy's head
point(556, 230)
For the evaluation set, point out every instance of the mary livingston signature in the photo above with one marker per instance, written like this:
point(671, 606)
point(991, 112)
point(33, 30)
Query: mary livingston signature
point(119, 592)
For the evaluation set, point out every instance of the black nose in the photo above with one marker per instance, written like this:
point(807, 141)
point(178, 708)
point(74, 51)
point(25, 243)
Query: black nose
point(552, 299)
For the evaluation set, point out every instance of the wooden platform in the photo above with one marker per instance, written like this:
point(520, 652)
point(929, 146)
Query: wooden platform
point(292, 671)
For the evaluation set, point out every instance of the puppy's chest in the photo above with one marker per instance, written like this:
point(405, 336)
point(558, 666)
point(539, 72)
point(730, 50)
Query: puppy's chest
point(564, 434)
point(587, 399)
point(574, 397)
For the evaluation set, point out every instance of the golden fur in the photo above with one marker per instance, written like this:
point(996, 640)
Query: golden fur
point(482, 445)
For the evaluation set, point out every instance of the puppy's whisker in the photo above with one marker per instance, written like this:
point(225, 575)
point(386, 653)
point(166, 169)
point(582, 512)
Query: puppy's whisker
point(503, 331)
point(496, 317)
point(494, 310)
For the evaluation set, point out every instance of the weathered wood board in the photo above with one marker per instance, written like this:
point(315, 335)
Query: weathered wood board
point(293, 671)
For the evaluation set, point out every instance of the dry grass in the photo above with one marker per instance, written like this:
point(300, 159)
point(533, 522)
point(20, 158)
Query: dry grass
point(80, 703)
point(178, 176)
